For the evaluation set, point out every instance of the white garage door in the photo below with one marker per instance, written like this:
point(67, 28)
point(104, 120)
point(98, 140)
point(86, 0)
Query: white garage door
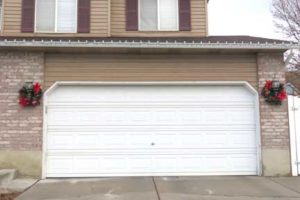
point(150, 130)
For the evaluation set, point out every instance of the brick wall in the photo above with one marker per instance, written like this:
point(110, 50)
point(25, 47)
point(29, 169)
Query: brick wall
point(274, 119)
point(20, 128)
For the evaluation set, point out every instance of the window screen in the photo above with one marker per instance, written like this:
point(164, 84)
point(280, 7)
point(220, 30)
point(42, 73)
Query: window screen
point(158, 15)
point(168, 13)
point(148, 15)
point(45, 16)
point(66, 15)
point(56, 15)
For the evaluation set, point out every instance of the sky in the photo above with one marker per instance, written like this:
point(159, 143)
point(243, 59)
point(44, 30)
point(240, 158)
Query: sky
point(242, 17)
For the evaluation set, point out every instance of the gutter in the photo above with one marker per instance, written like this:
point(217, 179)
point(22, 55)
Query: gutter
point(146, 44)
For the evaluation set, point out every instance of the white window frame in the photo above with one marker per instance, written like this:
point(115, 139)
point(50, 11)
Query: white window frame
point(158, 18)
point(55, 20)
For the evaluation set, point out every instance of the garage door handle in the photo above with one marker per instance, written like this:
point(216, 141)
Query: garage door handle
point(152, 144)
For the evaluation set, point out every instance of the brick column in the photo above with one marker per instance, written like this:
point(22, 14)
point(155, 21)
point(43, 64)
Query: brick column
point(20, 128)
point(274, 119)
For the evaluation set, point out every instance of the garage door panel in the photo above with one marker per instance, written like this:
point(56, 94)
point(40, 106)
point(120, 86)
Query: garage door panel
point(154, 151)
point(59, 165)
point(130, 140)
point(243, 162)
point(150, 130)
point(151, 164)
point(145, 128)
point(243, 115)
point(144, 93)
point(148, 116)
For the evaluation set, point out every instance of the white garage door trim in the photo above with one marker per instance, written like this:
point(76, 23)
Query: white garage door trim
point(293, 102)
point(209, 83)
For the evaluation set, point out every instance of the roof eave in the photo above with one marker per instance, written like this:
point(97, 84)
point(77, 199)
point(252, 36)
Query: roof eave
point(149, 44)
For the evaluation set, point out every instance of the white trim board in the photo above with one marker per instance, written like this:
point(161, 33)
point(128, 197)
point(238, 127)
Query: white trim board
point(293, 135)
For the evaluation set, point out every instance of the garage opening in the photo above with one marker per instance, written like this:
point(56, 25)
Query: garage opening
point(150, 130)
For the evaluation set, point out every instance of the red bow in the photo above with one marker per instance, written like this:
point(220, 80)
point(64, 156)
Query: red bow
point(23, 102)
point(268, 85)
point(282, 95)
point(36, 88)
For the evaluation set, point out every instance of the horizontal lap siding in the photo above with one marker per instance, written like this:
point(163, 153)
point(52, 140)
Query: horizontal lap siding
point(99, 20)
point(198, 19)
point(72, 67)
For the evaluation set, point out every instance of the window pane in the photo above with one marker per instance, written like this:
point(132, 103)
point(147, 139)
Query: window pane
point(168, 11)
point(66, 15)
point(148, 15)
point(45, 15)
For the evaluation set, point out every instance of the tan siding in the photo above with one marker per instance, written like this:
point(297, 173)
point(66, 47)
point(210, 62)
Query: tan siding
point(12, 20)
point(92, 67)
point(100, 21)
point(199, 22)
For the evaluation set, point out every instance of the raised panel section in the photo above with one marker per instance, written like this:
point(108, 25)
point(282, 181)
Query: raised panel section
point(120, 116)
point(144, 164)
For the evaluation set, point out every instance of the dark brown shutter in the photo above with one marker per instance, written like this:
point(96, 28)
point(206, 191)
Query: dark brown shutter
point(84, 14)
point(184, 15)
point(131, 15)
point(27, 25)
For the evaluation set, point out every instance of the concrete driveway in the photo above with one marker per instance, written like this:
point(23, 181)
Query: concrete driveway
point(166, 188)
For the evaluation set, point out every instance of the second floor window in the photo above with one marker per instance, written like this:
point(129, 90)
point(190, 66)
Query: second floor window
point(158, 15)
point(56, 16)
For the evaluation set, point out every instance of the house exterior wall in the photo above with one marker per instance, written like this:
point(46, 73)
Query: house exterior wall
point(150, 67)
point(21, 129)
point(274, 119)
point(107, 19)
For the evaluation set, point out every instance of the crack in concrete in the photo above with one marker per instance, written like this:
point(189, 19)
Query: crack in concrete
point(285, 186)
point(156, 188)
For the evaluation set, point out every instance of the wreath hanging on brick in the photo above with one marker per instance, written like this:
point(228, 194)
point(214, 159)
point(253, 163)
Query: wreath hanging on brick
point(30, 94)
point(274, 92)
